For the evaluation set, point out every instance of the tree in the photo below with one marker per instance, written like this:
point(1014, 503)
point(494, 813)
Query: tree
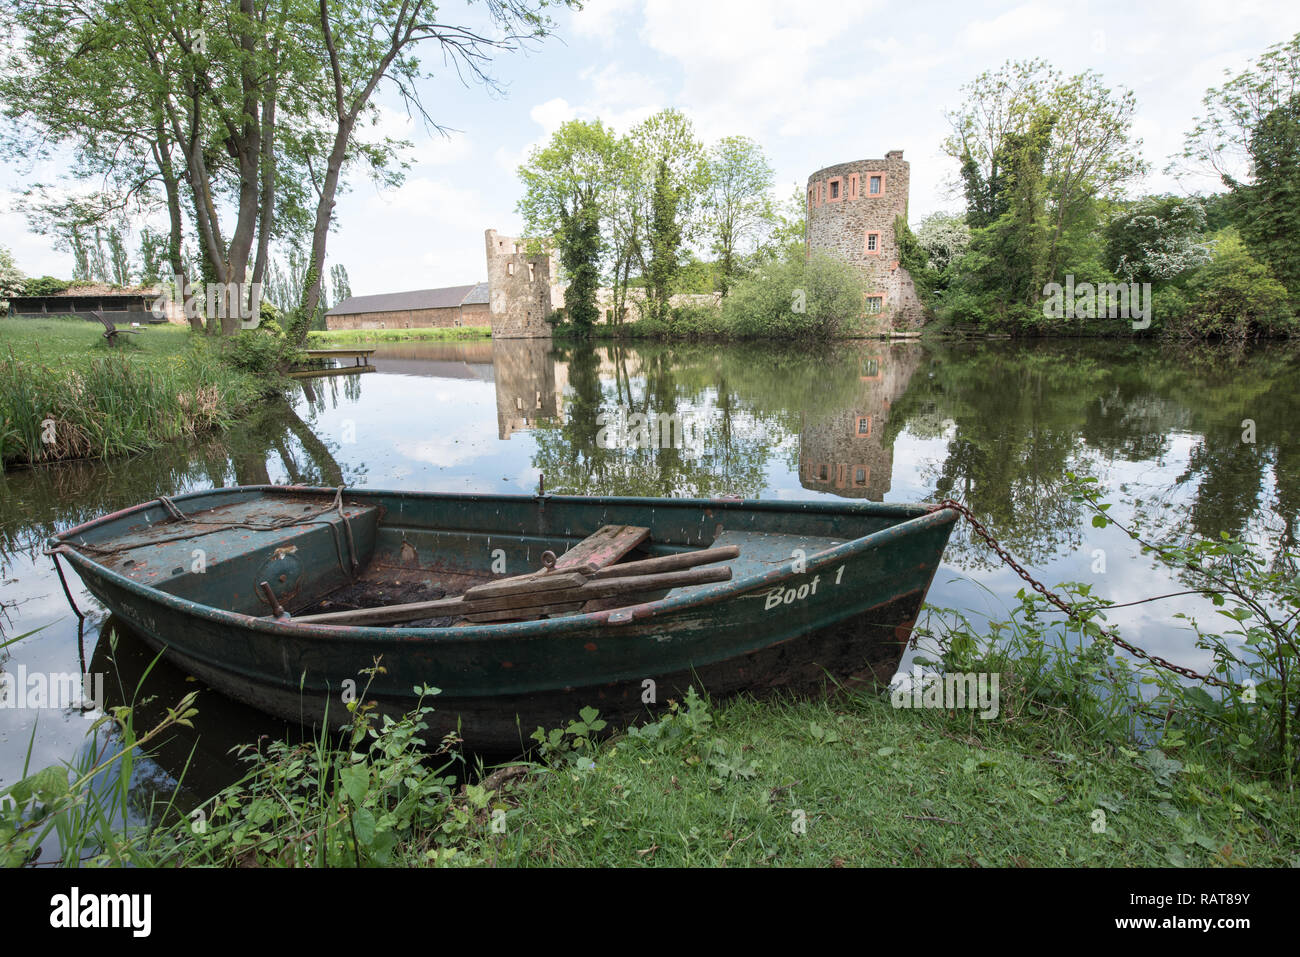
point(739, 208)
point(153, 257)
point(1236, 296)
point(1270, 205)
point(342, 288)
point(786, 237)
point(944, 238)
point(12, 279)
point(118, 259)
point(1088, 154)
point(1249, 137)
point(1007, 262)
point(623, 226)
point(247, 113)
point(1157, 238)
point(564, 187)
point(675, 179)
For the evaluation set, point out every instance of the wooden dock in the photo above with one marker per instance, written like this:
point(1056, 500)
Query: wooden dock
point(318, 357)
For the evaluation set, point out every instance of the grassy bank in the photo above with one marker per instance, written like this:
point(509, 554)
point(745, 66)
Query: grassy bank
point(338, 337)
point(66, 394)
point(844, 780)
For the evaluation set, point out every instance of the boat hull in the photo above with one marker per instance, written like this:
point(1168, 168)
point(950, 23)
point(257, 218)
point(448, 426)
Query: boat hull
point(842, 615)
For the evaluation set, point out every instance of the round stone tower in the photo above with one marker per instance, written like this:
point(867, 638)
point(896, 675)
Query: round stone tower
point(851, 213)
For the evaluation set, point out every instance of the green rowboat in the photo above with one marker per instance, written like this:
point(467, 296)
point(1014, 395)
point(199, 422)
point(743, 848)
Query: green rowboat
point(816, 592)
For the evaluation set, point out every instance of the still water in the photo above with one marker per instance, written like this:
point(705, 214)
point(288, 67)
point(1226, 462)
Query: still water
point(996, 424)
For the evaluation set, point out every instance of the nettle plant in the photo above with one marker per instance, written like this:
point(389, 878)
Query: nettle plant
point(1257, 657)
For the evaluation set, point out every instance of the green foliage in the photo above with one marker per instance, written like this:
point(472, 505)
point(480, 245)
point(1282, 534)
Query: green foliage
point(1234, 296)
point(565, 188)
point(738, 207)
point(1039, 155)
point(813, 299)
point(1270, 205)
point(1156, 238)
point(674, 172)
point(45, 286)
point(913, 257)
point(263, 351)
point(1006, 264)
point(1254, 722)
point(104, 402)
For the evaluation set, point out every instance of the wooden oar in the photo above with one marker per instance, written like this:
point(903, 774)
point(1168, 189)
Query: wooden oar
point(519, 605)
point(668, 563)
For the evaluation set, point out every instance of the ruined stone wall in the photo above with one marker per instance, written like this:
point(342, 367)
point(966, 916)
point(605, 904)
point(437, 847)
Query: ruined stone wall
point(519, 288)
point(852, 218)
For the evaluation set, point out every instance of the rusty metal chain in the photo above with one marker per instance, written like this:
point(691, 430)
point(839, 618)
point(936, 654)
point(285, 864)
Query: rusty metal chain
point(978, 527)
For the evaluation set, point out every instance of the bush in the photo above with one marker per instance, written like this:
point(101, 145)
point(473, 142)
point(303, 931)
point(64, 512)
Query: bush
point(1235, 296)
point(262, 351)
point(698, 322)
point(45, 286)
point(816, 298)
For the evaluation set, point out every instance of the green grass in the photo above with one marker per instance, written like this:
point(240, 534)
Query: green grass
point(65, 393)
point(340, 336)
point(846, 780)
point(855, 781)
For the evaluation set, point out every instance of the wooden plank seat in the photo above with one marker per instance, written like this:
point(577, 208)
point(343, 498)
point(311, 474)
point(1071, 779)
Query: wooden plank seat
point(586, 577)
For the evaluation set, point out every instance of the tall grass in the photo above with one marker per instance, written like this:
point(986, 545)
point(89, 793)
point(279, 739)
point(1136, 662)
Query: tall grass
point(115, 402)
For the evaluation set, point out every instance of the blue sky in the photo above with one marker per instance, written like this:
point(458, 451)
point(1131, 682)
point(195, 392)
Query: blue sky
point(814, 83)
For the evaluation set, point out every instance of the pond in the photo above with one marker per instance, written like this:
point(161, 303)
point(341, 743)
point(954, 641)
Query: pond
point(996, 424)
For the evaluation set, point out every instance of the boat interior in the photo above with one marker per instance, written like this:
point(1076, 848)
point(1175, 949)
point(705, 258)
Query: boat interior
point(325, 553)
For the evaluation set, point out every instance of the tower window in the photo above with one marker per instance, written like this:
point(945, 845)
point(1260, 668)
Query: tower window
point(835, 189)
point(510, 269)
point(853, 186)
point(532, 272)
point(875, 304)
point(863, 425)
point(877, 185)
point(872, 245)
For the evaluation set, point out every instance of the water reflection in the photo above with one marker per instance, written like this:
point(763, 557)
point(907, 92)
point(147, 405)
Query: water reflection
point(995, 424)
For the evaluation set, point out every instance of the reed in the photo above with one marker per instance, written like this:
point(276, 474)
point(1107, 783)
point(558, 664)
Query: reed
point(100, 402)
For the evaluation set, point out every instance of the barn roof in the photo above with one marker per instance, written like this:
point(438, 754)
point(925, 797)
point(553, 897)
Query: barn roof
point(445, 298)
point(477, 295)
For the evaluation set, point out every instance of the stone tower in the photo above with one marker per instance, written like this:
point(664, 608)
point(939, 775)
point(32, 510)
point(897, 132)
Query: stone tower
point(519, 288)
point(851, 213)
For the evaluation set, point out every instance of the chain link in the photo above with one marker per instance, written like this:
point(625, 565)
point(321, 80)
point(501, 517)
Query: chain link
point(978, 527)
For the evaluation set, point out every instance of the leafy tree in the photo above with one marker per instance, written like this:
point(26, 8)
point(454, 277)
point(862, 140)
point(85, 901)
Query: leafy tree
point(564, 188)
point(1270, 223)
point(1237, 297)
point(739, 208)
point(1074, 131)
point(342, 288)
point(12, 279)
point(1157, 238)
point(1007, 262)
point(787, 234)
point(247, 114)
point(676, 178)
point(1249, 136)
point(118, 260)
point(154, 257)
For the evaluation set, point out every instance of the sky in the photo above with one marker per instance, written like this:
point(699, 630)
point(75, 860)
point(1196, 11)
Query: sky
point(814, 83)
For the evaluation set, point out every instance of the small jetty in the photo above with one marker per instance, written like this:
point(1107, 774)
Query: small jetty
point(318, 362)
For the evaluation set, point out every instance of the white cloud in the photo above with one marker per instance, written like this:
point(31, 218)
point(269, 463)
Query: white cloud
point(1027, 21)
point(600, 19)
